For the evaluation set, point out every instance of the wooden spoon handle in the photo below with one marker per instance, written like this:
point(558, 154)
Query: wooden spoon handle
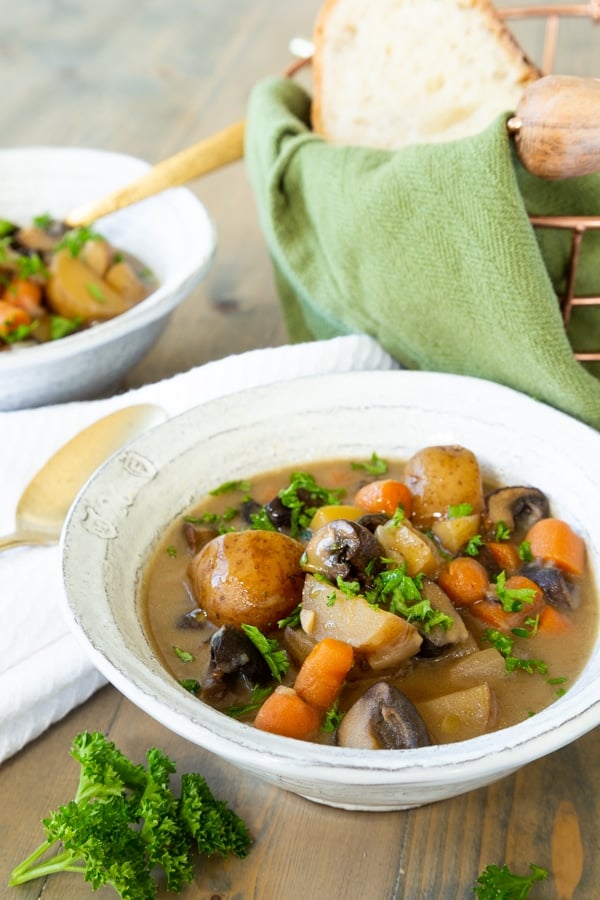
point(557, 127)
point(212, 153)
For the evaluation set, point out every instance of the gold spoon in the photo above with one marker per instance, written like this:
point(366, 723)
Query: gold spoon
point(46, 500)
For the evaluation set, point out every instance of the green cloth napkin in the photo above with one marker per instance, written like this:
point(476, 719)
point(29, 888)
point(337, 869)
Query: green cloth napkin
point(429, 249)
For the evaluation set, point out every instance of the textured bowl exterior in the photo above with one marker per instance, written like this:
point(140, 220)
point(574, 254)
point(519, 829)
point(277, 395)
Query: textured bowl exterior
point(172, 233)
point(110, 536)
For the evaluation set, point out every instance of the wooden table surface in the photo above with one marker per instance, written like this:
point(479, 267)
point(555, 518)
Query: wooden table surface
point(148, 79)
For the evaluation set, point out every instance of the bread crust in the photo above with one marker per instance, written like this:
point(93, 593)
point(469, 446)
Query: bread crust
point(337, 61)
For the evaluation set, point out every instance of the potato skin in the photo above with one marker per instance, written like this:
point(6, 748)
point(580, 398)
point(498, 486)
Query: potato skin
point(440, 477)
point(248, 578)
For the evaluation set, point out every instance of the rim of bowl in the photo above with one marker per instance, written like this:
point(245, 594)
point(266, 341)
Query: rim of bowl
point(499, 752)
point(152, 307)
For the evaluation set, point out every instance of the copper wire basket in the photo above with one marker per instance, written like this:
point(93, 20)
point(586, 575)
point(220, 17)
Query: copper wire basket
point(577, 225)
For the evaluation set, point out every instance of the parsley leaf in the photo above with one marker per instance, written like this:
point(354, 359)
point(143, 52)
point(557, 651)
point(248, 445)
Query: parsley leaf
point(124, 821)
point(497, 883)
point(512, 599)
point(276, 659)
point(402, 594)
point(374, 466)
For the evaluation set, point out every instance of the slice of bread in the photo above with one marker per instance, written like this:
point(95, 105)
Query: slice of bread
point(387, 73)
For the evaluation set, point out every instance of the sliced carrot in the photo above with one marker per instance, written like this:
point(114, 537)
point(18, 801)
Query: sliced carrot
point(493, 613)
point(26, 294)
point(287, 714)
point(322, 673)
point(11, 317)
point(506, 555)
point(554, 541)
point(552, 621)
point(464, 580)
point(385, 496)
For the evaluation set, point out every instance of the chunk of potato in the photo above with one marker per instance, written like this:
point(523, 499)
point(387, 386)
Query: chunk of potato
point(443, 476)
point(454, 533)
point(386, 640)
point(459, 716)
point(404, 543)
point(248, 578)
point(76, 291)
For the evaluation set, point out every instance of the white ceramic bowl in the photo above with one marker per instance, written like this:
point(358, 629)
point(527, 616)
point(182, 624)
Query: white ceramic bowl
point(171, 233)
point(120, 515)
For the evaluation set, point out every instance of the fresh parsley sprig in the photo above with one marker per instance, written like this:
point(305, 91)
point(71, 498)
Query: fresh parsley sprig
point(125, 821)
point(276, 659)
point(401, 593)
point(499, 883)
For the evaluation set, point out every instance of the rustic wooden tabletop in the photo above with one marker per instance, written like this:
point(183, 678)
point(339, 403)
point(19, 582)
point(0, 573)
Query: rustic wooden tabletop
point(149, 79)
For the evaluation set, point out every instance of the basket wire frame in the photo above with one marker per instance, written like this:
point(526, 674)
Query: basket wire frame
point(577, 225)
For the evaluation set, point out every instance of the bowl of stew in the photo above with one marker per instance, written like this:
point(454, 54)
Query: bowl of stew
point(375, 590)
point(79, 308)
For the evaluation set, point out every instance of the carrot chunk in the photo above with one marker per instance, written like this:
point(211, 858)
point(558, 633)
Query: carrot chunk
point(552, 621)
point(506, 555)
point(465, 580)
point(11, 317)
point(287, 714)
point(554, 541)
point(322, 673)
point(385, 496)
point(494, 614)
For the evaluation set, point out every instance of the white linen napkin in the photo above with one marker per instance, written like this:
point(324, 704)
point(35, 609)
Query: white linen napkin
point(44, 672)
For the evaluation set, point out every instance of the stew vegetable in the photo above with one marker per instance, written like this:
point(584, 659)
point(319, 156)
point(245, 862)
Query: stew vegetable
point(378, 604)
point(56, 281)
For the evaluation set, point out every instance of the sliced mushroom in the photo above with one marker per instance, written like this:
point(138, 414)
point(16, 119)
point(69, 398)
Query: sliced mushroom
point(438, 638)
point(341, 548)
point(558, 591)
point(233, 656)
point(197, 536)
point(383, 719)
point(518, 507)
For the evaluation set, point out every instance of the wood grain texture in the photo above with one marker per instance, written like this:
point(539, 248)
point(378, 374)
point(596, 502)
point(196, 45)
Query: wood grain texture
point(149, 79)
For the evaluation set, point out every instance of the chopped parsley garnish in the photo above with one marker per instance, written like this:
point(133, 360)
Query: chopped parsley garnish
point(75, 239)
point(303, 496)
point(172, 552)
point(184, 655)
point(259, 695)
point(524, 551)
point(60, 327)
point(293, 620)
point(276, 659)
point(460, 510)
point(398, 517)
point(6, 228)
point(473, 545)
point(215, 520)
point(332, 719)
point(31, 265)
point(20, 333)
point(43, 221)
point(349, 588)
point(190, 684)
point(260, 521)
point(374, 466)
point(402, 595)
point(512, 599)
point(229, 486)
point(95, 291)
point(504, 644)
point(502, 532)
point(499, 883)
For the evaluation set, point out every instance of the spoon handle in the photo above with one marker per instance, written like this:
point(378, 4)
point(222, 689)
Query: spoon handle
point(212, 153)
point(26, 539)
